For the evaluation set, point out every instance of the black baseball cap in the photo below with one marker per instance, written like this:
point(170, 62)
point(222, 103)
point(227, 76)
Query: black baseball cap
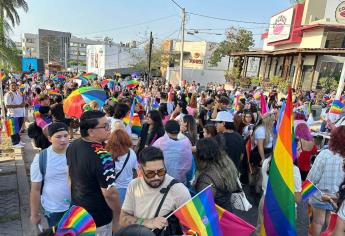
point(56, 127)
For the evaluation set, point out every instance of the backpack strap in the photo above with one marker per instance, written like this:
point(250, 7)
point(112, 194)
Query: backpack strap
point(124, 164)
point(42, 162)
point(165, 191)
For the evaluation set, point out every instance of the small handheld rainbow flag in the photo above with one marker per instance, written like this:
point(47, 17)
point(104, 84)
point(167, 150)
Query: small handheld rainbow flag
point(3, 76)
point(308, 189)
point(53, 92)
point(136, 125)
point(337, 107)
point(200, 214)
point(41, 120)
point(132, 83)
point(89, 76)
point(12, 126)
point(78, 221)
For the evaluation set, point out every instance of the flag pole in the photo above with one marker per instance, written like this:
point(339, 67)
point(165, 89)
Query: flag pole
point(188, 201)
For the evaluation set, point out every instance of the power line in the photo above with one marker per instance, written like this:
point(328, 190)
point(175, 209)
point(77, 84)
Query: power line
point(129, 26)
point(179, 6)
point(225, 19)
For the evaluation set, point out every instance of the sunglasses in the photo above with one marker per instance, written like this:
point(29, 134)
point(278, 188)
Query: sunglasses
point(152, 173)
point(106, 127)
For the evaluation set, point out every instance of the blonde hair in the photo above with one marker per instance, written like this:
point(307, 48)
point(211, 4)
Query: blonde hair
point(267, 122)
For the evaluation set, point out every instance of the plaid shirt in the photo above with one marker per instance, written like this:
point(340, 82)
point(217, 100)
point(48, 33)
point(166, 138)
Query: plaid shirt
point(327, 172)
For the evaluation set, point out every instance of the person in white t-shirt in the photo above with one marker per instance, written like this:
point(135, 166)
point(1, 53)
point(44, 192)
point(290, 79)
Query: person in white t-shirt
point(15, 105)
point(56, 195)
point(119, 145)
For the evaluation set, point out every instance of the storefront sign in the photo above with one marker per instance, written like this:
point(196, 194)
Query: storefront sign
point(196, 59)
point(280, 26)
point(340, 13)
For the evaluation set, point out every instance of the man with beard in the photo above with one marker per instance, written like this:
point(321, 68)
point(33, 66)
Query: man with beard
point(144, 194)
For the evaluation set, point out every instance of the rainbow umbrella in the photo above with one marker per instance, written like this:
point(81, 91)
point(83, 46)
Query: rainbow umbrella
point(132, 83)
point(73, 105)
point(81, 80)
point(89, 76)
point(76, 221)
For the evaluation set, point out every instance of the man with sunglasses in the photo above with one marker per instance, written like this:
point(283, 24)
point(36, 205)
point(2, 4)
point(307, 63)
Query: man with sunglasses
point(92, 174)
point(145, 194)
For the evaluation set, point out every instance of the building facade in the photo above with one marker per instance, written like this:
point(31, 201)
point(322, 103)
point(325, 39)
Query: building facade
point(30, 45)
point(303, 44)
point(110, 59)
point(54, 46)
point(196, 58)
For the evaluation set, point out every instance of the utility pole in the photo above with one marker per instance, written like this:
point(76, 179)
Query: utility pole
point(150, 58)
point(78, 58)
point(2, 114)
point(65, 56)
point(48, 52)
point(341, 84)
point(182, 44)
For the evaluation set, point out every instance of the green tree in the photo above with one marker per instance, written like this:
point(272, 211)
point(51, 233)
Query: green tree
point(9, 18)
point(328, 83)
point(237, 40)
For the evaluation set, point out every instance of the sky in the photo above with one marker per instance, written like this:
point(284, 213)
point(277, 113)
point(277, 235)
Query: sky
point(127, 20)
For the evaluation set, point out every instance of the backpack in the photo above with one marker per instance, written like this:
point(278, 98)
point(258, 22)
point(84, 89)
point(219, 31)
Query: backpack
point(42, 163)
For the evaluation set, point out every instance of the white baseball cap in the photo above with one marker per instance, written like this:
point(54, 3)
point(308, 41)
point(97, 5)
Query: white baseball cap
point(224, 116)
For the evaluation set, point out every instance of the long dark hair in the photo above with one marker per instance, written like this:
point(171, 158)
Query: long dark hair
point(157, 120)
point(208, 155)
point(191, 128)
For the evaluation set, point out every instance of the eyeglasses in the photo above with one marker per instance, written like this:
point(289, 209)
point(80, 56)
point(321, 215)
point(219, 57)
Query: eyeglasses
point(106, 127)
point(152, 173)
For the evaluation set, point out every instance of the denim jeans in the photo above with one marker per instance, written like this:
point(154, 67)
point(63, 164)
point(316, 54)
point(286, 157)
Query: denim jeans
point(122, 194)
point(53, 218)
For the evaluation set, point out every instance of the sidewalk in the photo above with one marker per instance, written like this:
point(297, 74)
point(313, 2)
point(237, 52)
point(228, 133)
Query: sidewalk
point(15, 189)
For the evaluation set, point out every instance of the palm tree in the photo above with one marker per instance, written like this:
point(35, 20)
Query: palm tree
point(9, 18)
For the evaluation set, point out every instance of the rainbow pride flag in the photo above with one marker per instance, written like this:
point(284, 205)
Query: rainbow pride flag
point(3, 76)
point(136, 125)
point(76, 220)
point(279, 205)
point(132, 83)
point(200, 214)
point(308, 189)
point(337, 107)
point(12, 126)
point(53, 92)
point(41, 120)
point(89, 76)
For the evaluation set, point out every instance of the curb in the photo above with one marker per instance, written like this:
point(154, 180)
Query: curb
point(24, 194)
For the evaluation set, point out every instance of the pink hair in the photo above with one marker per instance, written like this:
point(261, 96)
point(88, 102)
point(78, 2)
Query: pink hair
point(303, 132)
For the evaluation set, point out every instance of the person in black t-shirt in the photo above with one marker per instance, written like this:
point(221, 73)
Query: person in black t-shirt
point(231, 141)
point(92, 174)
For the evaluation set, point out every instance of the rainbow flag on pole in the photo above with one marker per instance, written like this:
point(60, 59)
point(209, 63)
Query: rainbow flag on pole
point(308, 189)
point(263, 104)
point(279, 205)
point(337, 107)
point(200, 214)
point(12, 126)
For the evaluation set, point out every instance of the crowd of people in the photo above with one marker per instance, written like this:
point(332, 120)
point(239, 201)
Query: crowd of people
point(190, 137)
